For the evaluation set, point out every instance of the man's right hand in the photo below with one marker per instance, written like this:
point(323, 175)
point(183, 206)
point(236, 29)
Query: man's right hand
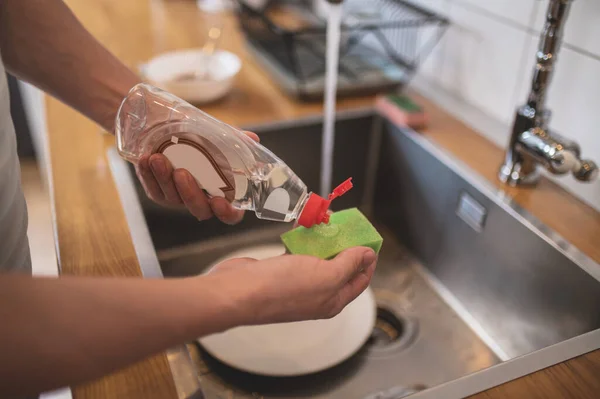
point(177, 188)
point(292, 287)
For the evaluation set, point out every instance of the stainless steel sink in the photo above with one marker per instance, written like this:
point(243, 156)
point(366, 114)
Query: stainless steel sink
point(472, 291)
point(523, 285)
point(415, 329)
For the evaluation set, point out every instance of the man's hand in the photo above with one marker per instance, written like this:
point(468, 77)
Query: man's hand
point(175, 188)
point(293, 288)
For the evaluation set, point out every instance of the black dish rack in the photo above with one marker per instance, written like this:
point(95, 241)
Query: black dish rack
point(383, 43)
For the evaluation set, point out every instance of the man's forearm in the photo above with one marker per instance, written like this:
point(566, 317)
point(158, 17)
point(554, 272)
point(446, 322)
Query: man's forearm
point(56, 332)
point(42, 42)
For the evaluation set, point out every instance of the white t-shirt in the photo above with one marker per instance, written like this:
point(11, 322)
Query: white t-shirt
point(14, 246)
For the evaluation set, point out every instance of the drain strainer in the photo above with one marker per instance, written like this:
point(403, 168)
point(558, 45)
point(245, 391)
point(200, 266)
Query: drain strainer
point(392, 331)
point(388, 329)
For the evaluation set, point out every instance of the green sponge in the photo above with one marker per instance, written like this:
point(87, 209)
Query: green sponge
point(346, 229)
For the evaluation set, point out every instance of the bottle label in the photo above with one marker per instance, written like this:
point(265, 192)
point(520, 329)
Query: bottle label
point(209, 166)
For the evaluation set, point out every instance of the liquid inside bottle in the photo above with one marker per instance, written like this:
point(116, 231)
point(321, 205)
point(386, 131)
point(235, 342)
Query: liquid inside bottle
point(224, 161)
point(278, 194)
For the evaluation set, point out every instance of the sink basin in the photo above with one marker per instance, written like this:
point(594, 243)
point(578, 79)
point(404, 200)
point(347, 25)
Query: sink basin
point(521, 283)
point(472, 291)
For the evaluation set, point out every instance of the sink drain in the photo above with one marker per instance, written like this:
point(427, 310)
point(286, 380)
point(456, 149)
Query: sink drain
point(388, 329)
point(392, 331)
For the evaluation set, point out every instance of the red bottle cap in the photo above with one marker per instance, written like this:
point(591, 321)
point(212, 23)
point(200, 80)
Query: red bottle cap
point(315, 210)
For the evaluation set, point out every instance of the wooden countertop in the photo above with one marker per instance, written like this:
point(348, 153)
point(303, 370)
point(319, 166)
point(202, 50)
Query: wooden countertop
point(91, 231)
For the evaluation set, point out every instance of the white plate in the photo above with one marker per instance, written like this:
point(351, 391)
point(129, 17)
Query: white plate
point(298, 348)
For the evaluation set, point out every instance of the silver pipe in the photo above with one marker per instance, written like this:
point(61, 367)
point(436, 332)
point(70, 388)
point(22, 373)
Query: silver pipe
point(549, 46)
point(531, 142)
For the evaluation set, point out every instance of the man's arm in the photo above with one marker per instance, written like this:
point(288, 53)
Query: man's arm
point(56, 332)
point(42, 42)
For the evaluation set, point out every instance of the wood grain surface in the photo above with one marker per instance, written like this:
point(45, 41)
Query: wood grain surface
point(91, 231)
point(577, 378)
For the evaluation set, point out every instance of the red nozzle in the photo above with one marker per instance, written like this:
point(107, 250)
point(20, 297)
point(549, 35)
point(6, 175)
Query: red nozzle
point(341, 189)
point(315, 210)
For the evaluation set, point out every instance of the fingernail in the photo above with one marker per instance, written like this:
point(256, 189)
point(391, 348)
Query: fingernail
point(189, 179)
point(158, 166)
point(182, 182)
point(368, 258)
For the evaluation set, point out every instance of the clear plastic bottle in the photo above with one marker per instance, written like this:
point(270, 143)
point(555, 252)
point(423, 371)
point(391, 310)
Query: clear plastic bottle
point(224, 161)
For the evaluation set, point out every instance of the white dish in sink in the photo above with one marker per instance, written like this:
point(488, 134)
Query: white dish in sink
point(298, 348)
point(193, 75)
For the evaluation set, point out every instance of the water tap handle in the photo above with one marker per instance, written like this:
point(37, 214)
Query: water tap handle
point(558, 156)
point(587, 171)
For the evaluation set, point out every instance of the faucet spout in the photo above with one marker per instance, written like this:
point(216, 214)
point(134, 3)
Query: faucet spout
point(549, 46)
point(531, 143)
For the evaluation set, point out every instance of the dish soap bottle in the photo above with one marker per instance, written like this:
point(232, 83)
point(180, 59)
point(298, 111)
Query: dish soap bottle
point(223, 160)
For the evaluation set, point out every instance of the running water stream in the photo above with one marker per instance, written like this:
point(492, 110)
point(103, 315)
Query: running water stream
point(334, 21)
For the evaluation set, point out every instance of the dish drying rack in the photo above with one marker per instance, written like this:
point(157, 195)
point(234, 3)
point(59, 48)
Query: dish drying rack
point(383, 42)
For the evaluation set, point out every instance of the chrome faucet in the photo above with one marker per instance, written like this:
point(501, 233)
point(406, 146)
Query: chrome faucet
point(531, 143)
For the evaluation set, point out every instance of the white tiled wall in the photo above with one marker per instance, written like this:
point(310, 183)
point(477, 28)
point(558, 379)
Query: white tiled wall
point(517, 11)
point(486, 59)
point(482, 60)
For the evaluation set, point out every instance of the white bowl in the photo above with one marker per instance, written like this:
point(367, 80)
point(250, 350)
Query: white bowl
point(215, 80)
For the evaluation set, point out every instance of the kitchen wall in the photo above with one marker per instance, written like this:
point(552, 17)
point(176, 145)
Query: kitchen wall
point(481, 71)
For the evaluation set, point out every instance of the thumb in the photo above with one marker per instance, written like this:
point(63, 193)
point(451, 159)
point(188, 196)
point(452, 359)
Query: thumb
point(351, 262)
